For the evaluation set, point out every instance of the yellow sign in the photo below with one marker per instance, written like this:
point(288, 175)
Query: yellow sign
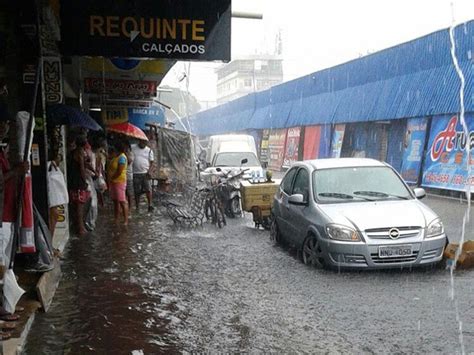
point(111, 117)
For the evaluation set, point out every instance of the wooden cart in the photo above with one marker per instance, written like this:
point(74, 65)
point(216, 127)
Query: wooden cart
point(257, 198)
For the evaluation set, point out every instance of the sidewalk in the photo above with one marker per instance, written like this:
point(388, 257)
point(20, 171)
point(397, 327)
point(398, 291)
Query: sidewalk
point(451, 211)
point(42, 287)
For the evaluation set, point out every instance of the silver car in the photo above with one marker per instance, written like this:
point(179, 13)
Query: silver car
point(355, 213)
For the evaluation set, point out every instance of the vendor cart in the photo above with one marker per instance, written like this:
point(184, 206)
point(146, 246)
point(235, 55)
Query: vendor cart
point(257, 198)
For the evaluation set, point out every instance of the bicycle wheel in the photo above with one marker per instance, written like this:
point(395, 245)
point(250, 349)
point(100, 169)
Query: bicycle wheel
point(220, 216)
point(208, 209)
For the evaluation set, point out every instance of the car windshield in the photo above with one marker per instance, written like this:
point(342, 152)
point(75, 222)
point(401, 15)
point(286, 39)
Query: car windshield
point(355, 184)
point(234, 159)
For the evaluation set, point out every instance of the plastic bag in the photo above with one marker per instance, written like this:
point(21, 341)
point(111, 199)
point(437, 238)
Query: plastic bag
point(43, 240)
point(93, 209)
point(57, 189)
point(100, 184)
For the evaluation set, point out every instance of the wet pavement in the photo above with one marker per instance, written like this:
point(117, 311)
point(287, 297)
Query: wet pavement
point(156, 289)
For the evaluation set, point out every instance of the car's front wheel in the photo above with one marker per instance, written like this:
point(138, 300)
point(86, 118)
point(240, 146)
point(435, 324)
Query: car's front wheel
point(312, 254)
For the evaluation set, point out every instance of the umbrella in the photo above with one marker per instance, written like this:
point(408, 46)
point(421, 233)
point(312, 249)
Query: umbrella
point(128, 129)
point(67, 115)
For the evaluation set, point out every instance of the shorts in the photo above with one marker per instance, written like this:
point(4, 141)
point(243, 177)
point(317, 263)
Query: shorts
point(117, 191)
point(79, 196)
point(141, 183)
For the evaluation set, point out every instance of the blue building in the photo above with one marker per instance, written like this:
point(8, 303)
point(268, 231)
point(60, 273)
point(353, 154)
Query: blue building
point(401, 105)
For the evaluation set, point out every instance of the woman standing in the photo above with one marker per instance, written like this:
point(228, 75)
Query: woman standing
point(79, 194)
point(117, 175)
point(129, 190)
point(101, 158)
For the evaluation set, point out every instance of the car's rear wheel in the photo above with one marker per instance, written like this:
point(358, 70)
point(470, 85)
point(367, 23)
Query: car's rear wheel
point(275, 235)
point(312, 254)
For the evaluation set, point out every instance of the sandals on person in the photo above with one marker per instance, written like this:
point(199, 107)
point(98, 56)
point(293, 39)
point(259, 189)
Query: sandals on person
point(7, 325)
point(4, 315)
point(9, 317)
point(5, 336)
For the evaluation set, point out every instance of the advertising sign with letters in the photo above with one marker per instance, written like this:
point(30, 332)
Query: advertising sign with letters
point(121, 88)
point(181, 29)
point(52, 80)
point(276, 148)
point(292, 146)
point(446, 161)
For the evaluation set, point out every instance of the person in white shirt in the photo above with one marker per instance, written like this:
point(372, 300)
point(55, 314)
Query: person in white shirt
point(142, 164)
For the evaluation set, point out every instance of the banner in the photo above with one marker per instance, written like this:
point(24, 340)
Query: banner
point(52, 80)
point(337, 139)
point(121, 88)
point(292, 146)
point(264, 154)
point(184, 29)
point(414, 144)
point(121, 78)
point(317, 140)
point(276, 148)
point(137, 116)
point(446, 156)
point(312, 137)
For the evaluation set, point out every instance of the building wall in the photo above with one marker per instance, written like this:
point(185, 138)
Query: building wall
point(242, 77)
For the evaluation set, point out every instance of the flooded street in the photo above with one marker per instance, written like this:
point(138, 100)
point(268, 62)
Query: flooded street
point(158, 289)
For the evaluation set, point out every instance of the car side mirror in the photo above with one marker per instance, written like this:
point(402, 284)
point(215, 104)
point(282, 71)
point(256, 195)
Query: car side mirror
point(419, 193)
point(297, 199)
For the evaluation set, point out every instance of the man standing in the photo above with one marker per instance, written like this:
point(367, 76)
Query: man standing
point(142, 166)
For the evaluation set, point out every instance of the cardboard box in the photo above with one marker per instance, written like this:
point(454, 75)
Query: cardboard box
point(466, 258)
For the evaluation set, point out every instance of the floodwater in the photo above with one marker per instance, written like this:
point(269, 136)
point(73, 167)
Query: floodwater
point(155, 289)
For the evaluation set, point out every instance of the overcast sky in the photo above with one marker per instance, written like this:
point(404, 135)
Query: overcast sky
point(319, 34)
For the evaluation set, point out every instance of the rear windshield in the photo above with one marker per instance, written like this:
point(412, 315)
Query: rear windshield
point(234, 159)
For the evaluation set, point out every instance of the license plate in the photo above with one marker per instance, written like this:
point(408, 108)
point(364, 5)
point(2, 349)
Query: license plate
point(395, 251)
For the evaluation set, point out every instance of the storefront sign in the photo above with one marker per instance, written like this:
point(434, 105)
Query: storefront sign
point(414, 144)
point(292, 146)
point(121, 88)
point(337, 139)
point(276, 148)
point(52, 80)
point(184, 29)
point(137, 116)
point(446, 157)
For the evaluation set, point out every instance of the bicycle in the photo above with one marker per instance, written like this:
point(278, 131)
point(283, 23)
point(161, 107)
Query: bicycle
point(214, 207)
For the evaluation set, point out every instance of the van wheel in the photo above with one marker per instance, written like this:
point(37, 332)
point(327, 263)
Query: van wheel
point(312, 254)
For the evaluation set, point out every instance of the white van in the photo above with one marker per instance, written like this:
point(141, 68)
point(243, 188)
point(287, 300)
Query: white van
point(226, 142)
point(228, 150)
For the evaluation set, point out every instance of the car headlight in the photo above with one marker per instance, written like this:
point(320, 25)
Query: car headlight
point(339, 232)
point(435, 228)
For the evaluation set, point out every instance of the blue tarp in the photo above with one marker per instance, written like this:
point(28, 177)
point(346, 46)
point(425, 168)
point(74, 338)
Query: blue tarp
point(414, 79)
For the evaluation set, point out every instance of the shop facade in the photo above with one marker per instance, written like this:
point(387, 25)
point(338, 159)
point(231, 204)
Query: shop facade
point(401, 105)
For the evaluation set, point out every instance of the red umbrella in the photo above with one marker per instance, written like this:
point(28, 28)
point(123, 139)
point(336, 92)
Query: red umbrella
point(128, 129)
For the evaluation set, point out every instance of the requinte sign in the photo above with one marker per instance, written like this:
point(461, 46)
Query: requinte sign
point(180, 29)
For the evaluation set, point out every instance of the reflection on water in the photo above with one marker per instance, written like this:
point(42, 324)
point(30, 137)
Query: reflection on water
point(155, 289)
point(105, 302)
